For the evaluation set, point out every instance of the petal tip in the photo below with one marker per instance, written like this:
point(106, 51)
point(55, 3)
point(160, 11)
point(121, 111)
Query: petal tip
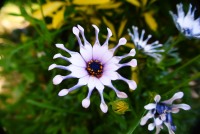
point(133, 62)
point(132, 52)
point(121, 95)
point(122, 41)
point(80, 28)
point(132, 85)
point(59, 45)
point(75, 30)
point(57, 79)
point(86, 103)
point(109, 32)
point(56, 56)
point(95, 27)
point(52, 66)
point(63, 92)
point(104, 107)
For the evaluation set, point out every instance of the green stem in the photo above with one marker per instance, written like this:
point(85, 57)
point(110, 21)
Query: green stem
point(135, 124)
point(182, 84)
point(183, 66)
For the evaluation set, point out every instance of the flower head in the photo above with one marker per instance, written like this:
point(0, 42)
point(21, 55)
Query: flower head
point(152, 49)
point(95, 66)
point(161, 112)
point(186, 24)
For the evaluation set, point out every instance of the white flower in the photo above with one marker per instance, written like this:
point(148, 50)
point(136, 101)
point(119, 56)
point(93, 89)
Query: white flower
point(151, 49)
point(186, 24)
point(95, 66)
point(161, 113)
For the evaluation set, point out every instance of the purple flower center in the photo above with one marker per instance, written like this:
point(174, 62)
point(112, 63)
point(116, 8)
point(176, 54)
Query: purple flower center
point(95, 68)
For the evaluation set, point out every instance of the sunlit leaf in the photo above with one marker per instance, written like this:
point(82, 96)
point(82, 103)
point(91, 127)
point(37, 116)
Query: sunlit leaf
point(90, 2)
point(134, 2)
point(121, 27)
point(134, 75)
point(48, 9)
point(110, 25)
point(151, 22)
point(144, 2)
point(110, 5)
point(130, 45)
point(58, 18)
point(95, 21)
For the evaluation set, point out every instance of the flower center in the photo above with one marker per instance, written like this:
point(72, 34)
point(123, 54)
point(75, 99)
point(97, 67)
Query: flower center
point(94, 68)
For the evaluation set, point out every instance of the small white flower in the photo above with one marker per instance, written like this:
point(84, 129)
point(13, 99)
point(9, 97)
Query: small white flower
point(95, 66)
point(187, 24)
point(152, 49)
point(161, 113)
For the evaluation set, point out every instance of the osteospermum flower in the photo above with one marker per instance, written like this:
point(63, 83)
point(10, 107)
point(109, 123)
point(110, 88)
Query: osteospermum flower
point(161, 113)
point(95, 66)
point(152, 49)
point(187, 24)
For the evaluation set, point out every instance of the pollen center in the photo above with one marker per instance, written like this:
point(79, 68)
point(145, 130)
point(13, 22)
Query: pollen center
point(95, 68)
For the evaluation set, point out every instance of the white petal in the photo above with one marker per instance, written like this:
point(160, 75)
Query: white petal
point(157, 98)
point(60, 56)
point(91, 82)
point(158, 128)
point(132, 63)
point(108, 37)
point(86, 52)
point(58, 79)
point(158, 121)
point(106, 56)
point(98, 84)
point(86, 43)
point(63, 92)
point(52, 66)
point(132, 84)
point(121, 95)
point(76, 59)
point(66, 91)
point(105, 80)
point(113, 60)
point(146, 118)
point(132, 52)
point(169, 128)
point(150, 106)
point(84, 80)
point(61, 46)
point(98, 51)
point(110, 67)
point(112, 75)
point(182, 106)
point(163, 117)
point(86, 102)
point(96, 34)
point(58, 66)
point(175, 110)
point(122, 41)
point(104, 107)
point(176, 96)
point(77, 72)
point(151, 126)
point(75, 31)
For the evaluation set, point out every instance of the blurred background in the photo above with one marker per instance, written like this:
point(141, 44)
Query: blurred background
point(29, 30)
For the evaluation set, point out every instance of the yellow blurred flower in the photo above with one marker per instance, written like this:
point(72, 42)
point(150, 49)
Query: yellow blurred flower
point(120, 106)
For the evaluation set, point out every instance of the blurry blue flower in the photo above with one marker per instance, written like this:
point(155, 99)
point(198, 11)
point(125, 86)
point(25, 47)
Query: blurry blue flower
point(95, 66)
point(186, 24)
point(152, 49)
point(161, 113)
